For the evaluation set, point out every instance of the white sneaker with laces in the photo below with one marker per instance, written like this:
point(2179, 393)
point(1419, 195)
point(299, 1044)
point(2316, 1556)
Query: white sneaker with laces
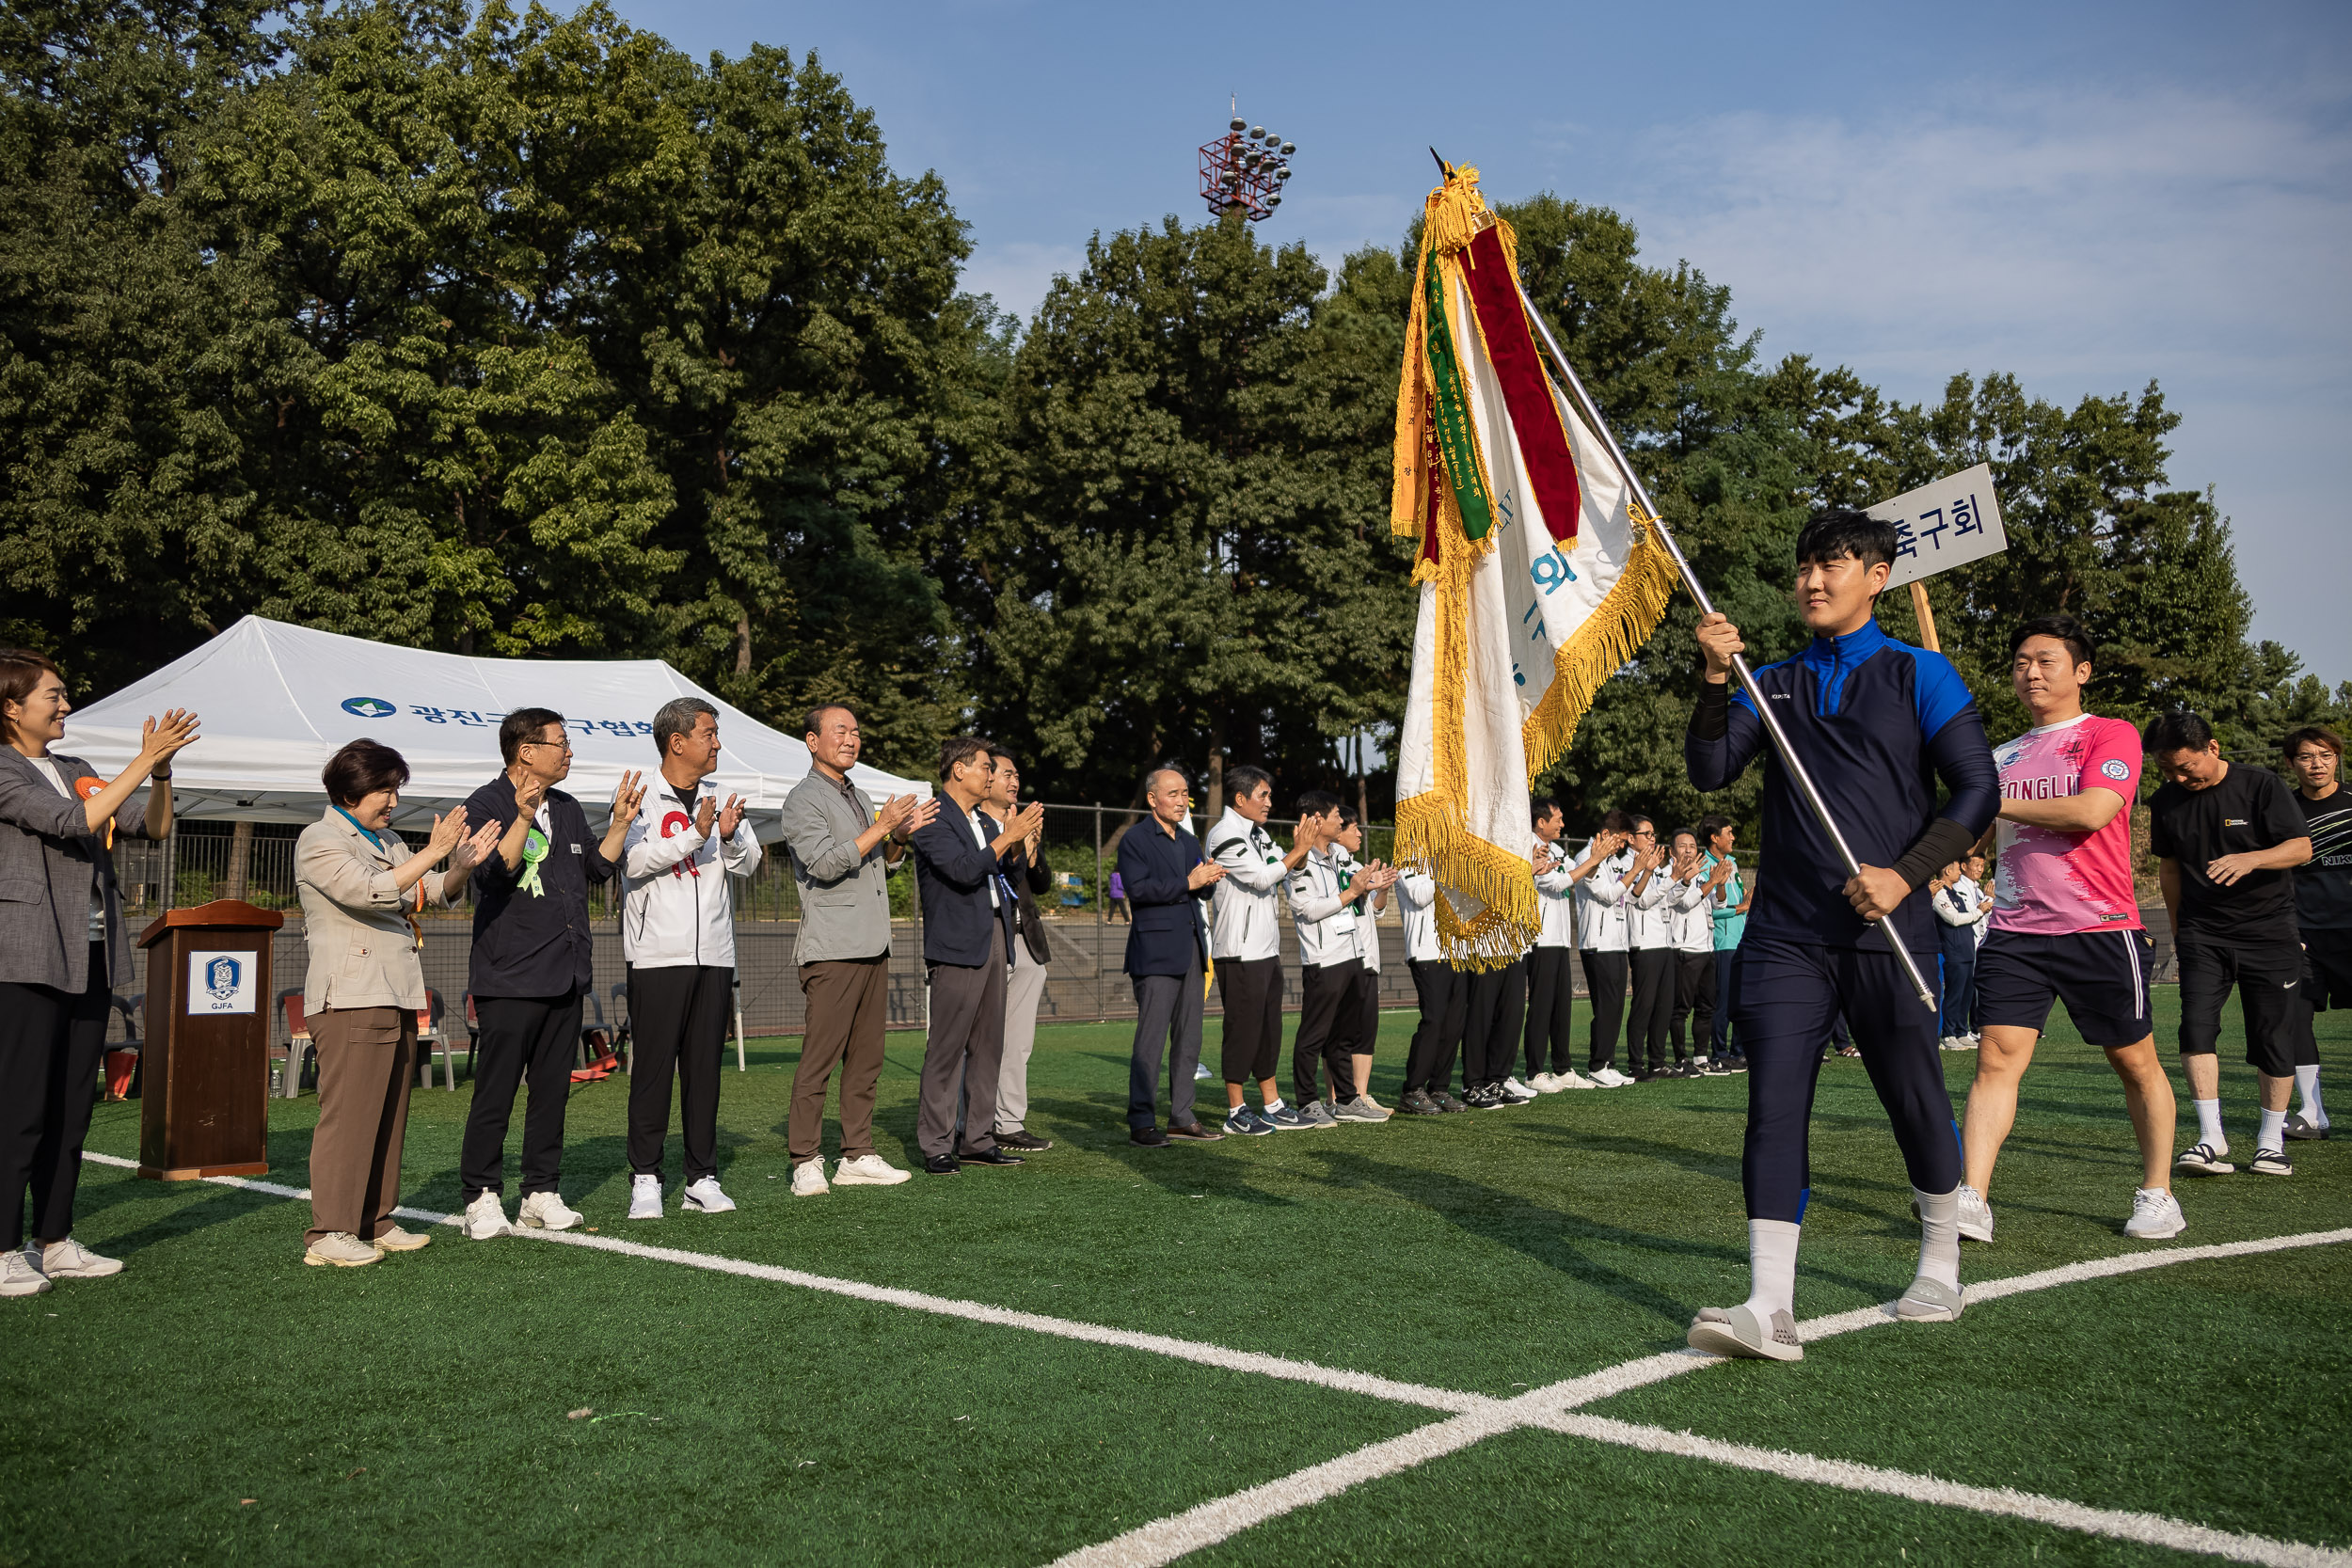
point(486, 1217)
point(2155, 1215)
point(704, 1198)
point(1575, 1080)
point(808, 1179)
point(1514, 1089)
point(1545, 1083)
point(19, 1275)
point(1976, 1214)
point(1610, 1078)
point(545, 1211)
point(869, 1170)
point(644, 1197)
point(70, 1260)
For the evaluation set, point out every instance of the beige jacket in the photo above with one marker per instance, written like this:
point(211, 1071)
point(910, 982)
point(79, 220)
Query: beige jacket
point(362, 954)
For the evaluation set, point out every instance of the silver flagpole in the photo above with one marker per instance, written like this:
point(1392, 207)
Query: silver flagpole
point(1739, 663)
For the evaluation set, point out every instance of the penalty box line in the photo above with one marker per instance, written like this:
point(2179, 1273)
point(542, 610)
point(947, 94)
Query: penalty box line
point(1552, 1408)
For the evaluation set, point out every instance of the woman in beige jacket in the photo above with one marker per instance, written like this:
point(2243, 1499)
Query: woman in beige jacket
point(362, 891)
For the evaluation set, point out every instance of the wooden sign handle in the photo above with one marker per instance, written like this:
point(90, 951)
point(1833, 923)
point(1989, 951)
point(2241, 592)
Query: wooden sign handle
point(1927, 616)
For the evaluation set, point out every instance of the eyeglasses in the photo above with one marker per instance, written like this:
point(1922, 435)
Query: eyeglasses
point(564, 744)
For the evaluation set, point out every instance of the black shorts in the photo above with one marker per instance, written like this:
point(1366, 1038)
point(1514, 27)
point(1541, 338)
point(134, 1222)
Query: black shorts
point(2267, 979)
point(2327, 970)
point(2101, 976)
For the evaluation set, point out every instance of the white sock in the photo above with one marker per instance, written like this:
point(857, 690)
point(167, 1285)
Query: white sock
point(2307, 1083)
point(2209, 1125)
point(1772, 1269)
point(1271, 1105)
point(1939, 1235)
point(2273, 1132)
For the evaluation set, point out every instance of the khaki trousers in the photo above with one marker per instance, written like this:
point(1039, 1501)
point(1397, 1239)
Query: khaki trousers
point(367, 1059)
point(1023, 993)
point(849, 1001)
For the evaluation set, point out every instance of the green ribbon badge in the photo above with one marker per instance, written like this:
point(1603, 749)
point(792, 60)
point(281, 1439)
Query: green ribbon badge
point(534, 850)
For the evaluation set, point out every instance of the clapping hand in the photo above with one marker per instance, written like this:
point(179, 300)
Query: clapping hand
point(447, 832)
point(1029, 821)
point(475, 849)
point(529, 795)
point(1203, 875)
point(160, 739)
point(730, 815)
point(629, 796)
point(925, 812)
point(895, 816)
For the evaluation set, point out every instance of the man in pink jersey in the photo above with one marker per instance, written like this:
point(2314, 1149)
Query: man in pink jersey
point(2066, 923)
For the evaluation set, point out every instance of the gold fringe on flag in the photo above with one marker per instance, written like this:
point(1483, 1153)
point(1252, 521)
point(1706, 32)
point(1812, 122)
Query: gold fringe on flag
point(1601, 646)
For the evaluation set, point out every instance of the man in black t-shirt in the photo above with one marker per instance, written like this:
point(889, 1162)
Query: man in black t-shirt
point(2224, 839)
point(2322, 907)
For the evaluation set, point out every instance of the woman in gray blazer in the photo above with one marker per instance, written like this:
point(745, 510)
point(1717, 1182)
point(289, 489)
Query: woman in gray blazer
point(62, 951)
point(362, 891)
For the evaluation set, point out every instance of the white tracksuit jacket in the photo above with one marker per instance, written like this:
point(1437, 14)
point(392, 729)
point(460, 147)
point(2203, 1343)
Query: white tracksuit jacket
point(675, 909)
point(1690, 923)
point(1245, 911)
point(1555, 895)
point(1319, 908)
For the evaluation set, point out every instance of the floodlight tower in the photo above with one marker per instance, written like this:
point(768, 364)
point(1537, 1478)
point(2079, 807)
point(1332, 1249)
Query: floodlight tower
point(1243, 171)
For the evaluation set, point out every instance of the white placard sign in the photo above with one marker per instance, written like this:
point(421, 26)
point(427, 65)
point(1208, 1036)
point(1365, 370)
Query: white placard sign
point(1947, 524)
point(220, 983)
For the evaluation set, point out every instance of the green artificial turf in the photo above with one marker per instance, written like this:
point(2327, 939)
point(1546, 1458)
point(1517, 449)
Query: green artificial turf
point(416, 1409)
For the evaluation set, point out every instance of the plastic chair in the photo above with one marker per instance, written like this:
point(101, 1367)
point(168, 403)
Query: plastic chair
point(594, 1057)
point(432, 1034)
point(297, 1043)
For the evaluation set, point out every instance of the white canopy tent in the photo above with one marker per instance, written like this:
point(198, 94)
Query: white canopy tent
point(276, 700)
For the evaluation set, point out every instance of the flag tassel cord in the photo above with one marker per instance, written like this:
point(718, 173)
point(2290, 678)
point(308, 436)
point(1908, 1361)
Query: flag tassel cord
point(1656, 522)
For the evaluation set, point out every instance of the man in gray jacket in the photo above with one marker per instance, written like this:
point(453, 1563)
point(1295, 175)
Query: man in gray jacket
point(842, 852)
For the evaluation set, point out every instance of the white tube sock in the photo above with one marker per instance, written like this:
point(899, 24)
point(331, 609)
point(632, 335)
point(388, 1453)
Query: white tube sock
point(2307, 1083)
point(2209, 1125)
point(1939, 1235)
point(1772, 1269)
point(2273, 1132)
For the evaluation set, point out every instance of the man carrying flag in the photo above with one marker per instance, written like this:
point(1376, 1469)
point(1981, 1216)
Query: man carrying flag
point(1876, 722)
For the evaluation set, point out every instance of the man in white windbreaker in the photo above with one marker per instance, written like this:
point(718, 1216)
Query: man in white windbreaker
point(678, 935)
point(1693, 939)
point(1600, 928)
point(1551, 986)
point(1245, 940)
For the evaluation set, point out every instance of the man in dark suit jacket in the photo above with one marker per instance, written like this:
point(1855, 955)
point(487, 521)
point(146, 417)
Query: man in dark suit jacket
point(1168, 885)
point(965, 863)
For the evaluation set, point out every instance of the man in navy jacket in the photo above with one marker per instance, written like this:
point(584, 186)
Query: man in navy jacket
point(1168, 886)
point(963, 863)
point(1877, 723)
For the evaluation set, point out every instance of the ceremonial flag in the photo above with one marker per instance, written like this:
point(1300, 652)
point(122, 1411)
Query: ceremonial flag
point(1538, 575)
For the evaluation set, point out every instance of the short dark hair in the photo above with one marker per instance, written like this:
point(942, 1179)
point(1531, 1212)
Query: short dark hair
point(1315, 802)
point(362, 767)
point(1243, 780)
point(957, 750)
point(2177, 731)
point(998, 753)
point(1614, 821)
point(1539, 808)
point(1635, 819)
point(2064, 627)
point(1347, 816)
point(2311, 735)
point(1711, 824)
point(817, 716)
point(1841, 532)
point(21, 670)
point(677, 717)
point(523, 724)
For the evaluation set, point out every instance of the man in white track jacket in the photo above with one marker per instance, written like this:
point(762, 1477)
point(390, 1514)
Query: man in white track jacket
point(1245, 940)
point(678, 935)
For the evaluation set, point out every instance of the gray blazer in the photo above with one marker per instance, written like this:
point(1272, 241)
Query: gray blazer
point(353, 919)
point(48, 861)
point(845, 898)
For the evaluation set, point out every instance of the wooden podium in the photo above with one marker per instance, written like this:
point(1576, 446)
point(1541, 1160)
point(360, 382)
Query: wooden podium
point(204, 1100)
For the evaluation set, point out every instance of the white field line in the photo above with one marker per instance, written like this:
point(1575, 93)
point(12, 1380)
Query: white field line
point(973, 1311)
point(1165, 1540)
point(2152, 1529)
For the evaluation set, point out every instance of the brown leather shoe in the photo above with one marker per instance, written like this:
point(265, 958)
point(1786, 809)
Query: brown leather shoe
point(1192, 1131)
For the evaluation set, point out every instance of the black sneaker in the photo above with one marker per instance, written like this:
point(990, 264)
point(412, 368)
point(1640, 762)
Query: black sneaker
point(1418, 1104)
point(1147, 1138)
point(942, 1164)
point(1023, 1142)
point(994, 1157)
point(1736, 1064)
point(1445, 1100)
point(1487, 1097)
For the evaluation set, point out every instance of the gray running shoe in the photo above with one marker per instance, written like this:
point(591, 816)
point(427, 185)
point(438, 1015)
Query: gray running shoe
point(1359, 1109)
point(1316, 1113)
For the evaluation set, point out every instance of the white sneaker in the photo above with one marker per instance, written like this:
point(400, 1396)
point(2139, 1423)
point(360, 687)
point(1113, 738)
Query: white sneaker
point(1545, 1082)
point(868, 1170)
point(1610, 1078)
point(1950, 1042)
point(704, 1198)
point(808, 1179)
point(19, 1275)
point(1976, 1214)
point(644, 1197)
point(70, 1260)
point(486, 1217)
point(1514, 1090)
point(1575, 1080)
point(2155, 1215)
point(545, 1211)
point(1201, 1073)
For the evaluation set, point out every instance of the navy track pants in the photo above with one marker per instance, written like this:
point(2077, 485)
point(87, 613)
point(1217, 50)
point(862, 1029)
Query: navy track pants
point(1789, 993)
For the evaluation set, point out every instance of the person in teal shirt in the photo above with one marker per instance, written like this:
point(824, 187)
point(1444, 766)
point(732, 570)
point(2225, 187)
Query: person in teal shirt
point(1728, 903)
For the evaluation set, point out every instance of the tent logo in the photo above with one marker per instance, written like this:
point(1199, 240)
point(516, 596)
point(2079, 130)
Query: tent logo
point(221, 976)
point(370, 707)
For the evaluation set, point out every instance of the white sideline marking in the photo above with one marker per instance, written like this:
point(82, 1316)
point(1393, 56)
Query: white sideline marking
point(1158, 1344)
point(2152, 1529)
point(1164, 1540)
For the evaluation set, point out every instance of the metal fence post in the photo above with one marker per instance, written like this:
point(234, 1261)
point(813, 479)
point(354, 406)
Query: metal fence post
point(1102, 883)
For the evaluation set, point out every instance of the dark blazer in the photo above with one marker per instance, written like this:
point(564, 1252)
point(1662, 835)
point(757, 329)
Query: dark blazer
point(1167, 936)
point(952, 873)
point(1028, 881)
point(527, 946)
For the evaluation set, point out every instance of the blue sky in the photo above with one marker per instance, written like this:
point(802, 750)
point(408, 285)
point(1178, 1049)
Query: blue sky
point(2088, 196)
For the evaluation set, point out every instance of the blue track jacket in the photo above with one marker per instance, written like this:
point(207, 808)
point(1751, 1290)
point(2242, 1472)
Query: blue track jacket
point(1876, 722)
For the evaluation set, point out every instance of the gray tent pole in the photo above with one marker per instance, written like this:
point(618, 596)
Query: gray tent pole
point(1738, 664)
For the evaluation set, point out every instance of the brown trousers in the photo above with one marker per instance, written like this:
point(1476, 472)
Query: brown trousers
point(367, 1061)
point(849, 1001)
